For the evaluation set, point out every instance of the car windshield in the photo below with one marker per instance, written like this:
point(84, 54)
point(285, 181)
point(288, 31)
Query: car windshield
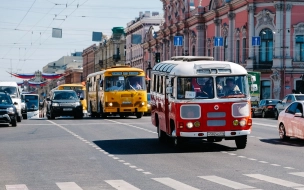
point(272, 101)
point(32, 102)
point(120, 83)
point(60, 95)
point(299, 97)
point(5, 99)
point(12, 91)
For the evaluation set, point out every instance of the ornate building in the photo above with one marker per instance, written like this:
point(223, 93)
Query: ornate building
point(278, 24)
point(135, 33)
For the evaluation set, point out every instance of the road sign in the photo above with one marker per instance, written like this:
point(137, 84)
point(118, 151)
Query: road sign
point(256, 40)
point(218, 41)
point(178, 41)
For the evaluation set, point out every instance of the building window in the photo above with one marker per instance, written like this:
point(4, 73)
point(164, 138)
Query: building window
point(299, 51)
point(265, 89)
point(300, 86)
point(209, 52)
point(266, 47)
point(225, 48)
point(237, 54)
point(244, 51)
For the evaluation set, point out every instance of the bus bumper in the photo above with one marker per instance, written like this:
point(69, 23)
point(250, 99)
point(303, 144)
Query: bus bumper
point(214, 134)
point(125, 110)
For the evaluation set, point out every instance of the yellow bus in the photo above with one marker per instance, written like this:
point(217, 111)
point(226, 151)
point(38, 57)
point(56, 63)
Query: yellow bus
point(119, 90)
point(81, 93)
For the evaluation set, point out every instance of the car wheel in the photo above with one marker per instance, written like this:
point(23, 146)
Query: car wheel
point(253, 114)
point(241, 141)
point(14, 123)
point(24, 116)
point(19, 118)
point(263, 114)
point(282, 132)
point(276, 114)
point(52, 115)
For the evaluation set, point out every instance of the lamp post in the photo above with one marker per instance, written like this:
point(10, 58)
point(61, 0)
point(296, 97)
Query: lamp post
point(148, 70)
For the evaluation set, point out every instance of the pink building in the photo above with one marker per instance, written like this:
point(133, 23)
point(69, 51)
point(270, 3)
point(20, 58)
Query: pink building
point(265, 36)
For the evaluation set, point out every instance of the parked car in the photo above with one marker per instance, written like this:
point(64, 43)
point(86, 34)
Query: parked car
point(149, 104)
point(287, 100)
point(291, 121)
point(63, 103)
point(8, 111)
point(265, 108)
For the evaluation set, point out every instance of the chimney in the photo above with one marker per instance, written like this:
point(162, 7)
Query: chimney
point(155, 13)
point(147, 13)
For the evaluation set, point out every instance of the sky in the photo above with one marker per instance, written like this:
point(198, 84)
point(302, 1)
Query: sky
point(26, 42)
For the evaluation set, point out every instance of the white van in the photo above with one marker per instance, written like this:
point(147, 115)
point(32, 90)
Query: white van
point(13, 90)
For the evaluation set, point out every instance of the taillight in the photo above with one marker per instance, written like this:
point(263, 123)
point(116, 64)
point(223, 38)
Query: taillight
point(269, 107)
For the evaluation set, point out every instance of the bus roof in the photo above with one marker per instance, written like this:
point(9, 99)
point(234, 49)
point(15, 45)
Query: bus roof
point(198, 65)
point(126, 69)
point(77, 84)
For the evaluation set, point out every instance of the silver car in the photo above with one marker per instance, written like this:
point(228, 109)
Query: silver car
point(287, 100)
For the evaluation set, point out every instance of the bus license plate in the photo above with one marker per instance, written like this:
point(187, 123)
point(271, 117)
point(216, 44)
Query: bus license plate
point(67, 109)
point(216, 134)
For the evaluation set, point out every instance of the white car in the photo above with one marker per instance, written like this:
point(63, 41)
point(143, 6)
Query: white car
point(291, 121)
point(287, 100)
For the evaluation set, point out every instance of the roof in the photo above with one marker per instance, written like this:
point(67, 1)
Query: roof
point(189, 65)
point(8, 84)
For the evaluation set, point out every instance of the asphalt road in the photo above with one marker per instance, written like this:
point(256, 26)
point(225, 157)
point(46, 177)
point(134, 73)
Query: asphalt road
point(114, 153)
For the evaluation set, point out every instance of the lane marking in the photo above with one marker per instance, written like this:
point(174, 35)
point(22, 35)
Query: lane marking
point(275, 164)
point(68, 186)
point(226, 182)
point(300, 174)
point(121, 185)
point(265, 125)
point(290, 168)
point(174, 184)
point(276, 181)
point(16, 187)
point(264, 162)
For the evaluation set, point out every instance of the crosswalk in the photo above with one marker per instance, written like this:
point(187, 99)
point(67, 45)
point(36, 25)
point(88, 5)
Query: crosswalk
point(217, 181)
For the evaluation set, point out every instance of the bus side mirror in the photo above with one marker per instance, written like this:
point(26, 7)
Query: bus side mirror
point(254, 87)
point(169, 90)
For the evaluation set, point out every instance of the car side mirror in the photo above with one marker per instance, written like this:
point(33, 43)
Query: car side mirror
point(48, 99)
point(298, 114)
point(15, 103)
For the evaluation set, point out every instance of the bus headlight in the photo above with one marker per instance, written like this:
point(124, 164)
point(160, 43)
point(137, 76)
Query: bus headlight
point(197, 124)
point(242, 123)
point(189, 125)
point(110, 104)
point(55, 104)
point(235, 122)
point(143, 103)
point(10, 110)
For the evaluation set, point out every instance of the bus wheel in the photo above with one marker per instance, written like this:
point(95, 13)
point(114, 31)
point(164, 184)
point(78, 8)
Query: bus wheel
point(122, 116)
point(178, 141)
point(241, 141)
point(162, 136)
point(139, 115)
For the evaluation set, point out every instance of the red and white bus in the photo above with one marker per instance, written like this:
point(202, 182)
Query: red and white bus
point(197, 97)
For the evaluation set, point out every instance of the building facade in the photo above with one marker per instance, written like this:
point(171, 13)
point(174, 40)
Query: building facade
point(265, 36)
point(88, 56)
point(135, 33)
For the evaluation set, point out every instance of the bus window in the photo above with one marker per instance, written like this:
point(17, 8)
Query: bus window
point(231, 87)
point(200, 87)
point(120, 83)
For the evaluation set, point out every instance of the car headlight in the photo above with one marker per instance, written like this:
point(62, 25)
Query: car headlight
point(10, 110)
point(77, 103)
point(190, 125)
point(55, 104)
point(110, 104)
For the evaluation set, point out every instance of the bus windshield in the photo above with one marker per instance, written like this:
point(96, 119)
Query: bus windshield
point(32, 102)
point(206, 88)
point(121, 83)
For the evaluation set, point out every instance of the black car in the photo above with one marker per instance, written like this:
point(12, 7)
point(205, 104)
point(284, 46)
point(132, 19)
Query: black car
point(266, 108)
point(63, 103)
point(8, 112)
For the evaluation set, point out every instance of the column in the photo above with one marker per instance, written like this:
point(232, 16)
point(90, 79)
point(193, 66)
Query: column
point(231, 17)
point(186, 42)
point(288, 30)
point(217, 23)
point(200, 39)
point(279, 30)
point(164, 50)
point(171, 47)
point(251, 8)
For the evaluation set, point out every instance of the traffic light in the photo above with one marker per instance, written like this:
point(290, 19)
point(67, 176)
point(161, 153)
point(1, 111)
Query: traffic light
point(157, 57)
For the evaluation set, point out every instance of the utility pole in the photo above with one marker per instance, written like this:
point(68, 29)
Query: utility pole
point(11, 68)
